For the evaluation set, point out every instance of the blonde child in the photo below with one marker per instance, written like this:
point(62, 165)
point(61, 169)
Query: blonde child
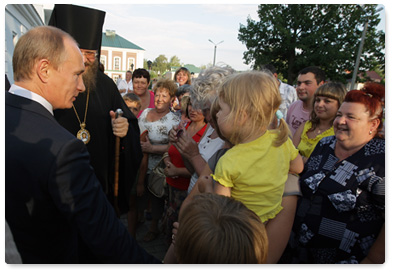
point(254, 171)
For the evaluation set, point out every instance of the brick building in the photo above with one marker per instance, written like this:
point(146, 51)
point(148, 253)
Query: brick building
point(119, 55)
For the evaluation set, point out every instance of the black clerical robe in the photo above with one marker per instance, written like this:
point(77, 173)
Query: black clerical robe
point(101, 146)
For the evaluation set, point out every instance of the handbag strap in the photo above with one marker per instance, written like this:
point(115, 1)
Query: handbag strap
point(163, 157)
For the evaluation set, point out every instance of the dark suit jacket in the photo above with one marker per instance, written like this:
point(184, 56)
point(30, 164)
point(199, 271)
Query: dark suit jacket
point(52, 195)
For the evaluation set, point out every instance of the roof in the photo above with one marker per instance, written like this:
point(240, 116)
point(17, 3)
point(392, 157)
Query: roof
point(190, 67)
point(111, 39)
point(370, 75)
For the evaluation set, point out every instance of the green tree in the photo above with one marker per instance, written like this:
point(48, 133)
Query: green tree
point(160, 64)
point(205, 66)
point(292, 37)
point(145, 64)
point(174, 62)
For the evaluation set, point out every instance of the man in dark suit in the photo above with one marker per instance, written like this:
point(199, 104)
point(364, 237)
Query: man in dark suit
point(52, 196)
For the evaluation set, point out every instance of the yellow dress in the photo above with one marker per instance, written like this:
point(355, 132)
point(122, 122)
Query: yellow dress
point(256, 171)
point(307, 145)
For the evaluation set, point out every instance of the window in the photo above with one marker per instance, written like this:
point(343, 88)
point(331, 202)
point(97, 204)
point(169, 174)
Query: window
point(115, 78)
point(131, 64)
point(117, 63)
point(103, 60)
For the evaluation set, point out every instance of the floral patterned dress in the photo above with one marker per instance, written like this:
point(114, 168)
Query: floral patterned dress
point(342, 209)
point(158, 132)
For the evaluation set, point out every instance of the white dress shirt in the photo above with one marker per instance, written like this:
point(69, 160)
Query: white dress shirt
point(22, 92)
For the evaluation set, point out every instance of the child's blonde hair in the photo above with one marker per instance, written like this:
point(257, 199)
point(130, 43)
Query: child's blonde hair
point(255, 95)
point(213, 111)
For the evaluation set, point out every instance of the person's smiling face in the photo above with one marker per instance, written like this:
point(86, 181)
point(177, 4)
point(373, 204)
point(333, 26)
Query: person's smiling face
point(162, 99)
point(182, 78)
point(140, 86)
point(352, 125)
point(306, 86)
point(325, 108)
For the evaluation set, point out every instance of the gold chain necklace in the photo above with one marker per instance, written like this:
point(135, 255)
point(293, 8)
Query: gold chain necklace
point(83, 134)
point(321, 130)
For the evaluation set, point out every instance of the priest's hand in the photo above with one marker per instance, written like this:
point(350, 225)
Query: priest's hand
point(120, 125)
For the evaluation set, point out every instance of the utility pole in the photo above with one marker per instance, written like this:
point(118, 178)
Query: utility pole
point(356, 67)
point(215, 49)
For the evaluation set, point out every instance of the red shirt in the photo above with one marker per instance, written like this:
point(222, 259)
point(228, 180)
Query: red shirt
point(181, 183)
point(151, 102)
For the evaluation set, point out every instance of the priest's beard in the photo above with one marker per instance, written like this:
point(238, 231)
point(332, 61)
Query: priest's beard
point(90, 74)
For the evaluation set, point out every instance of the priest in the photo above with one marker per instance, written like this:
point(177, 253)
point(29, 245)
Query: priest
point(92, 117)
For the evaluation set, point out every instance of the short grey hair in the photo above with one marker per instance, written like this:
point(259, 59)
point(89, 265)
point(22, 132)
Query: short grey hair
point(205, 86)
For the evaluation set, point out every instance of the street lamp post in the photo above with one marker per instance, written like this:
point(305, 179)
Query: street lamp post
point(215, 48)
point(354, 74)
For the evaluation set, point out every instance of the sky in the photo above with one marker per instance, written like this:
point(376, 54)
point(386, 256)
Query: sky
point(184, 30)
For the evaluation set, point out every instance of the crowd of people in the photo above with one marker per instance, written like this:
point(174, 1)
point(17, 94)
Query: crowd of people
point(251, 173)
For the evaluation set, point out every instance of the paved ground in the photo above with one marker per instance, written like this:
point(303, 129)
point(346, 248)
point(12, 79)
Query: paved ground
point(157, 247)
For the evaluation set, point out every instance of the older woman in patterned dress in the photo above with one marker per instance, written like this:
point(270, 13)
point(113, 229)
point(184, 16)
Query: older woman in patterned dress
point(158, 122)
point(340, 217)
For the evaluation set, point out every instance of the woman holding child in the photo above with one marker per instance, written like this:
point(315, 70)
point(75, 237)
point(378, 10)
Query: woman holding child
point(279, 211)
point(248, 102)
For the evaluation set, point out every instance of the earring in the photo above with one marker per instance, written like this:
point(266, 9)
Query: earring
point(370, 132)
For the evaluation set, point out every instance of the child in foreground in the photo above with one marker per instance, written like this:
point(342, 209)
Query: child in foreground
point(215, 229)
point(254, 171)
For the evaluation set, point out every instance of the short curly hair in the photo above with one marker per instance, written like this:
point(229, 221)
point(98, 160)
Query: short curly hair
point(168, 84)
point(205, 86)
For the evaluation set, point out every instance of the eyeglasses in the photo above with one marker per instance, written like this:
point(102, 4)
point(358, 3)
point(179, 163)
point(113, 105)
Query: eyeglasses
point(89, 54)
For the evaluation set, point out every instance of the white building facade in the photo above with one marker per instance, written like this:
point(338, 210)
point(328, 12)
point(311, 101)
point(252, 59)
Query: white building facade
point(19, 18)
point(118, 55)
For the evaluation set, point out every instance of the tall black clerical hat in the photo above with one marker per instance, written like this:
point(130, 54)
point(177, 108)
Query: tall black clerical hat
point(85, 25)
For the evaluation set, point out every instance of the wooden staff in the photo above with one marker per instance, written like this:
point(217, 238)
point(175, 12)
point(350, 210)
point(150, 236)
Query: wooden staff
point(118, 113)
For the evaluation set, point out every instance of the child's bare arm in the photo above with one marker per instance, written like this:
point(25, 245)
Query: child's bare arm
point(296, 165)
point(219, 189)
